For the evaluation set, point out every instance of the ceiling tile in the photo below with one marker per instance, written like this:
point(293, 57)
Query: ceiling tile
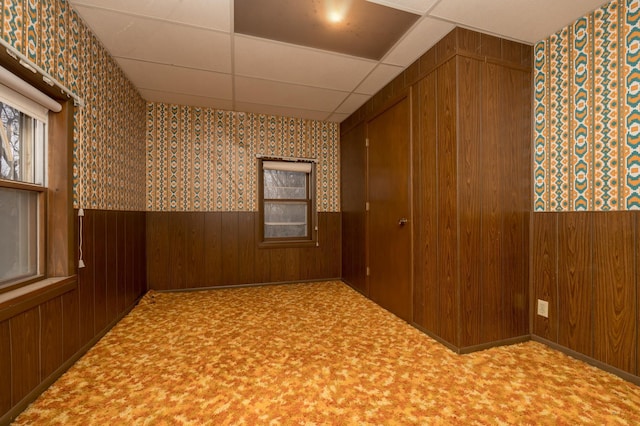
point(281, 111)
point(286, 95)
point(158, 41)
point(527, 21)
point(352, 103)
point(419, 7)
point(378, 78)
point(187, 81)
point(418, 40)
point(282, 62)
point(204, 13)
point(180, 99)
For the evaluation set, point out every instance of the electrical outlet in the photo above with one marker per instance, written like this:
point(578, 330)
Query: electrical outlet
point(543, 308)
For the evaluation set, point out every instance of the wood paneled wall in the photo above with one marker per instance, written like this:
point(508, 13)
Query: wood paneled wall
point(585, 265)
point(472, 198)
point(42, 335)
point(471, 109)
point(353, 158)
point(189, 250)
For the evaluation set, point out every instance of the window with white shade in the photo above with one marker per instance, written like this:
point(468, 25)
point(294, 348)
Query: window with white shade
point(286, 202)
point(23, 136)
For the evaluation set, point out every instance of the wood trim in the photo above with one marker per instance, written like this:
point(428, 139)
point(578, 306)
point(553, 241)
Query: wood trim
point(591, 361)
point(262, 284)
point(312, 214)
point(44, 291)
point(496, 343)
point(60, 230)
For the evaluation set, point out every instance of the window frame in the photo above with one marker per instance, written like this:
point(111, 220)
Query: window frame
point(20, 102)
point(286, 242)
point(59, 234)
point(41, 251)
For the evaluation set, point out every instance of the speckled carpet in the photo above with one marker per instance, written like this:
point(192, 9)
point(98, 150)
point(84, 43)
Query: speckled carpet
point(314, 354)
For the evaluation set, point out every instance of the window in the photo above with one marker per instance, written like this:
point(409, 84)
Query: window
point(23, 135)
point(286, 203)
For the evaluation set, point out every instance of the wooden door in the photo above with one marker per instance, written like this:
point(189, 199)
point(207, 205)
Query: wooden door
point(389, 224)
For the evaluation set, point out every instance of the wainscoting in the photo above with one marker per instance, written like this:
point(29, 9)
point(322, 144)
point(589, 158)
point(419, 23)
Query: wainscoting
point(205, 249)
point(585, 265)
point(42, 335)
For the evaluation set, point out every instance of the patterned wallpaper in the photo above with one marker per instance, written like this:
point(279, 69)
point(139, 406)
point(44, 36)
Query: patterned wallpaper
point(202, 159)
point(587, 123)
point(109, 132)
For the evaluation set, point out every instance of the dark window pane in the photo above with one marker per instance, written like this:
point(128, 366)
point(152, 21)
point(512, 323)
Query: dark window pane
point(19, 233)
point(285, 219)
point(279, 184)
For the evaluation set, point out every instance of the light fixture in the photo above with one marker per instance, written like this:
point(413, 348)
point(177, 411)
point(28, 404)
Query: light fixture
point(336, 10)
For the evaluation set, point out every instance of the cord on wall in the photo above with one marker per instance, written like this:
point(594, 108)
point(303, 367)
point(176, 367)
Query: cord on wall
point(81, 219)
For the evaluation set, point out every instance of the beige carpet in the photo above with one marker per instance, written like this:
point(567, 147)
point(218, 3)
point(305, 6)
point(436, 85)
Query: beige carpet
point(314, 354)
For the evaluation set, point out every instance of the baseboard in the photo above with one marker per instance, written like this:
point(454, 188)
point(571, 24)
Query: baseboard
point(11, 415)
point(216, 287)
point(489, 345)
point(474, 348)
point(436, 337)
point(591, 361)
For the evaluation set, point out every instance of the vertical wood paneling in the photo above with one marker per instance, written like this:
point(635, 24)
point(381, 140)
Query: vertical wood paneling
point(51, 336)
point(515, 172)
point(86, 280)
point(426, 306)
point(469, 186)
point(492, 158)
point(120, 252)
point(468, 40)
point(157, 237)
point(194, 250)
point(25, 353)
point(334, 228)
point(322, 258)
point(447, 207)
point(100, 268)
point(352, 191)
point(524, 184)
point(614, 285)
point(291, 264)
point(213, 249)
point(111, 247)
point(70, 320)
point(129, 257)
point(230, 244)
point(35, 343)
point(278, 271)
point(142, 253)
point(575, 295)
point(246, 247)
point(178, 250)
point(544, 274)
point(5, 368)
point(206, 249)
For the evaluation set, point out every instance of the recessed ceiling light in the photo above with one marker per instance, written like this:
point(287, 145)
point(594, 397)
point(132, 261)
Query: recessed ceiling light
point(336, 10)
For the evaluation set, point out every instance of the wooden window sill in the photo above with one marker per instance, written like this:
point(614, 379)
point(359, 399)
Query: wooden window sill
point(21, 299)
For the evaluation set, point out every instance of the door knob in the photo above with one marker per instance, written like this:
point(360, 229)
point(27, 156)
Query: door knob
point(403, 221)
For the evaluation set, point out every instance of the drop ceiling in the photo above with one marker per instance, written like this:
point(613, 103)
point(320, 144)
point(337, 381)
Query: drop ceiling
point(286, 57)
